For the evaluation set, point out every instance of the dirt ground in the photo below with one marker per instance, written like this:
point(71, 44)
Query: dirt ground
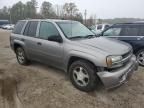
point(42, 86)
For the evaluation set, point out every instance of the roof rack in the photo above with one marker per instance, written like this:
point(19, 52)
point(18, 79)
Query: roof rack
point(139, 22)
point(136, 22)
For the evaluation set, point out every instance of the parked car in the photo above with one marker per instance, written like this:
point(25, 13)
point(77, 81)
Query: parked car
point(97, 29)
point(73, 48)
point(132, 33)
point(3, 22)
point(8, 26)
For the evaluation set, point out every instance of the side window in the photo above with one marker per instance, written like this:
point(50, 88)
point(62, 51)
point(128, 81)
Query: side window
point(31, 28)
point(47, 29)
point(112, 32)
point(106, 26)
point(99, 27)
point(141, 32)
point(18, 28)
point(130, 31)
point(26, 29)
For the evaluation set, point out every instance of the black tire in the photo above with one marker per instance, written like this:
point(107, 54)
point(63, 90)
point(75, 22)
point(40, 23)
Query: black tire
point(25, 61)
point(138, 54)
point(91, 72)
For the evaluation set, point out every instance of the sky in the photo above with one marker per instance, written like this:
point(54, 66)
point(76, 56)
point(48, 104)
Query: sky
point(101, 8)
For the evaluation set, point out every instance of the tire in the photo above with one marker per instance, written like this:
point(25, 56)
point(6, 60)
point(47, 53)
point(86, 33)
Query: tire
point(140, 57)
point(85, 79)
point(21, 57)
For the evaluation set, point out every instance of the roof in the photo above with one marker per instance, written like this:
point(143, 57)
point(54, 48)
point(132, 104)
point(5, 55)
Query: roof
point(136, 22)
point(51, 20)
point(139, 22)
point(4, 20)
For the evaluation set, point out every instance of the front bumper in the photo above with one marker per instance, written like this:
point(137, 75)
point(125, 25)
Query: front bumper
point(119, 76)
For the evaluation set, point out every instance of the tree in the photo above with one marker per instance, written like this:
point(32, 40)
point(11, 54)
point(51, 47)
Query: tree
point(47, 10)
point(91, 21)
point(4, 13)
point(70, 9)
point(78, 17)
point(30, 9)
point(34, 3)
point(59, 11)
point(17, 12)
point(21, 11)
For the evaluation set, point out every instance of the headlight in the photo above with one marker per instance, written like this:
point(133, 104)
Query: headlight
point(111, 60)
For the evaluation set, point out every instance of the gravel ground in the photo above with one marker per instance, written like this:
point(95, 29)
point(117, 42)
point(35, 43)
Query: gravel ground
point(41, 86)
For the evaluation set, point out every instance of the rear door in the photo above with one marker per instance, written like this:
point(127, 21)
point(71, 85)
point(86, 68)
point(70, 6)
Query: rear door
point(30, 39)
point(132, 35)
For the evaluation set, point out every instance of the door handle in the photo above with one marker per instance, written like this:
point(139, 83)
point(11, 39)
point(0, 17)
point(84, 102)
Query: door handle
point(139, 38)
point(39, 43)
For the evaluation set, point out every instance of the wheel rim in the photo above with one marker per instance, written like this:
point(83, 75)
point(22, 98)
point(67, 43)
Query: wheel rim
point(20, 56)
point(140, 58)
point(80, 76)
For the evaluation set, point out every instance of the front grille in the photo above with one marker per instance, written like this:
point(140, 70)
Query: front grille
point(127, 54)
point(126, 58)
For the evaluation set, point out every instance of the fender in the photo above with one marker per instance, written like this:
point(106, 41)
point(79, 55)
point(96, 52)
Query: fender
point(84, 55)
point(21, 44)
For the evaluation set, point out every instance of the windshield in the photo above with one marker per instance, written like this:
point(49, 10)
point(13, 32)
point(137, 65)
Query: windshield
point(74, 30)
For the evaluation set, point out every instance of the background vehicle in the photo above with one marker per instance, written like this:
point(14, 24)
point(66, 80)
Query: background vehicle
point(8, 26)
point(132, 33)
point(3, 22)
point(97, 29)
point(72, 47)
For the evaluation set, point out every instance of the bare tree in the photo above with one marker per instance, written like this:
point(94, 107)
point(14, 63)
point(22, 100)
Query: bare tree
point(47, 10)
point(70, 9)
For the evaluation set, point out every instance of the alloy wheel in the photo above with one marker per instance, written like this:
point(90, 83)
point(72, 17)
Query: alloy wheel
point(140, 58)
point(20, 55)
point(80, 76)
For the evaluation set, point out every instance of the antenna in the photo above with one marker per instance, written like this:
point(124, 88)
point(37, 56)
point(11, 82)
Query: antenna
point(85, 14)
point(71, 20)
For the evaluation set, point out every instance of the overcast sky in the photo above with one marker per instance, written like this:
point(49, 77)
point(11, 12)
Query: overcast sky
point(102, 8)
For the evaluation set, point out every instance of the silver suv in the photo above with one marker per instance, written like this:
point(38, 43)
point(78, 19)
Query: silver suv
point(70, 46)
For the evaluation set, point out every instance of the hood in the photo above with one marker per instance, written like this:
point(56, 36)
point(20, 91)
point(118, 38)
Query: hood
point(108, 45)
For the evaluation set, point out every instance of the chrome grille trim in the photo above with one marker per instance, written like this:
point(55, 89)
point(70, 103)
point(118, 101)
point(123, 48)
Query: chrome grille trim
point(126, 57)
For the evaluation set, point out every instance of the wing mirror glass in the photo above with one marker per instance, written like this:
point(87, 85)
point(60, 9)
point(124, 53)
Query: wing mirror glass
point(56, 38)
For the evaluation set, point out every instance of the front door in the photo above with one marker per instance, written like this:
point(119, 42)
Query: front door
point(50, 52)
point(112, 32)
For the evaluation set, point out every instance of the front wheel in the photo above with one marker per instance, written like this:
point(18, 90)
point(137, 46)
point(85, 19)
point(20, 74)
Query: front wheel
point(83, 75)
point(140, 57)
point(21, 57)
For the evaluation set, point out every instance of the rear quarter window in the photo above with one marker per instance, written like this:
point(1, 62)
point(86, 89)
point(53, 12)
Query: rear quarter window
point(18, 27)
point(130, 30)
point(31, 29)
point(141, 32)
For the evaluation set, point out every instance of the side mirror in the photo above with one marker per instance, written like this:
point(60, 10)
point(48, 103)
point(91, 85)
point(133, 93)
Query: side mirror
point(89, 28)
point(99, 34)
point(55, 38)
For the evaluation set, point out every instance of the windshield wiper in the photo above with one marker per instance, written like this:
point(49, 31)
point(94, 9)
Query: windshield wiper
point(87, 36)
point(90, 36)
point(75, 37)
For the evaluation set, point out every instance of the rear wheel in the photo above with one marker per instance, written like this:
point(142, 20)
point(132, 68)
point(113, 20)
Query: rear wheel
point(140, 57)
point(83, 75)
point(21, 57)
